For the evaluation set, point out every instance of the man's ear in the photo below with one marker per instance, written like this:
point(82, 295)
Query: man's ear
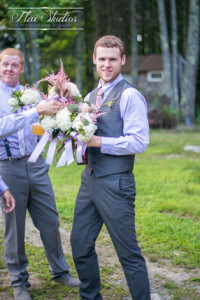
point(94, 59)
point(22, 69)
point(123, 59)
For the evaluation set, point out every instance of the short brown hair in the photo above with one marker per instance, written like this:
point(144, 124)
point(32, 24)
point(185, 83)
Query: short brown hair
point(109, 41)
point(13, 51)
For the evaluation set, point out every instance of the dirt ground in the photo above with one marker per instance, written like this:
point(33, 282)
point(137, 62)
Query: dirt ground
point(107, 257)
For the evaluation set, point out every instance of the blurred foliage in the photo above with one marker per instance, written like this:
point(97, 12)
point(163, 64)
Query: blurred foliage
point(98, 18)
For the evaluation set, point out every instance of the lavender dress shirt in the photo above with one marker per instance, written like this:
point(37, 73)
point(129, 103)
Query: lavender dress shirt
point(11, 123)
point(133, 111)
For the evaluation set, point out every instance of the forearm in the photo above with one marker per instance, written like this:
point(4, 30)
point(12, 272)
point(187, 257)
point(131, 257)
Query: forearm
point(12, 123)
point(124, 145)
point(3, 186)
point(15, 122)
point(95, 141)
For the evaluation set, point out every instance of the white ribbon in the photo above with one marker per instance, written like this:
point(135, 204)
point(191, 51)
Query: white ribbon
point(67, 155)
point(80, 151)
point(81, 148)
point(51, 151)
point(40, 146)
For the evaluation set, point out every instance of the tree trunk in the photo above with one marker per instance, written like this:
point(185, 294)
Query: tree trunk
point(116, 27)
point(175, 99)
point(134, 44)
point(88, 48)
point(35, 55)
point(109, 16)
point(188, 91)
point(79, 53)
point(98, 17)
point(21, 39)
point(165, 47)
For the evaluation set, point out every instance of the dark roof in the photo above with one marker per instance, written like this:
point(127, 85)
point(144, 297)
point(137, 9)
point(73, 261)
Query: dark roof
point(147, 63)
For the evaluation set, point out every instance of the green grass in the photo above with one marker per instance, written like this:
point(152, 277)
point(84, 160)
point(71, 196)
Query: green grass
point(167, 214)
point(167, 202)
point(167, 206)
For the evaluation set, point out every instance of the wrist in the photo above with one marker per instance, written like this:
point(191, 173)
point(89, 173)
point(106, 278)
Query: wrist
point(95, 141)
point(40, 109)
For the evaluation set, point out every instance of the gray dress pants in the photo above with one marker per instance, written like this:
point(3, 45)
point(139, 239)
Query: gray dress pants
point(109, 200)
point(31, 187)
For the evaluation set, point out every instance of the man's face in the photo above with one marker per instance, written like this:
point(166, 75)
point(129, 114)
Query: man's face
point(10, 69)
point(108, 63)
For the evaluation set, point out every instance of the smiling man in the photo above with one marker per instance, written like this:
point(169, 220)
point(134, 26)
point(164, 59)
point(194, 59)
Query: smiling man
point(12, 66)
point(107, 191)
point(29, 184)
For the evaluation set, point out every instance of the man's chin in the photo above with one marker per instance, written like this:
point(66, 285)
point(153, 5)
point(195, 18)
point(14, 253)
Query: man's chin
point(9, 82)
point(108, 78)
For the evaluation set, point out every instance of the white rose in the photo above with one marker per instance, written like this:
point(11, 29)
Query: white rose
point(13, 101)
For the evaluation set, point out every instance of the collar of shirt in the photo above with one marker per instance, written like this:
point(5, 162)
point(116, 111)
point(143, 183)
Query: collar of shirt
point(107, 87)
point(8, 87)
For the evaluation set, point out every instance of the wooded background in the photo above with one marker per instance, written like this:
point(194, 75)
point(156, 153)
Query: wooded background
point(167, 27)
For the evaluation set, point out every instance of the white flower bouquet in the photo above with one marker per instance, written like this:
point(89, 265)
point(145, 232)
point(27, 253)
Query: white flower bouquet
point(78, 119)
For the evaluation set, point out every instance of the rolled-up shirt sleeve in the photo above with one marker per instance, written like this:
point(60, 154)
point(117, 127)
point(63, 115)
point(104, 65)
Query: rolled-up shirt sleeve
point(14, 122)
point(135, 138)
point(3, 186)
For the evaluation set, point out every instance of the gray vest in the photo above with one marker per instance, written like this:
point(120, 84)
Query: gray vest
point(109, 125)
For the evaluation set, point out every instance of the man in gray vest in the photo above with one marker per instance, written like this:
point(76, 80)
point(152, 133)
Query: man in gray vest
point(107, 191)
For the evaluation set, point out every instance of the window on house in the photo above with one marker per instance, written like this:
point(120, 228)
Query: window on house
point(155, 76)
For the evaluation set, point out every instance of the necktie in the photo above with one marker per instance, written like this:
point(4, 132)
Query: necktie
point(99, 99)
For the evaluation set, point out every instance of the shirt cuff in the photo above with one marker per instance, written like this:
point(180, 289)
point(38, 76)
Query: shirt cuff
point(32, 115)
point(107, 144)
point(3, 188)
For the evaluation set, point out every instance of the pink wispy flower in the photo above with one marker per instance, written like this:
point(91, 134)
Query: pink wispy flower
point(59, 83)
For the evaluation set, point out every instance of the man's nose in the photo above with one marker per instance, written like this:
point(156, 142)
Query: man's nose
point(107, 63)
point(9, 67)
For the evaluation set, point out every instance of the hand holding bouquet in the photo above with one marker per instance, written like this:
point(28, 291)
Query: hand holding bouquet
point(77, 119)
